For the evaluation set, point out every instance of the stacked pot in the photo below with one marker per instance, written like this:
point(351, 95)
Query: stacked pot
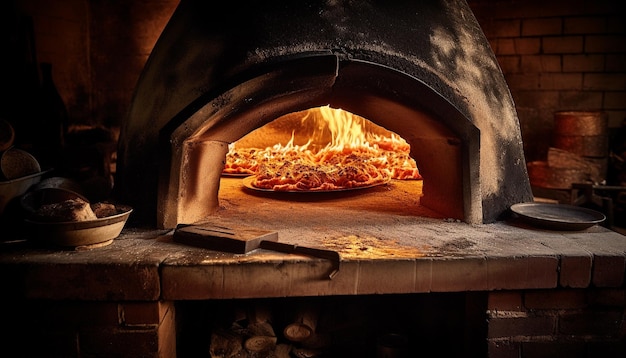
point(579, 151)
point(18, 168)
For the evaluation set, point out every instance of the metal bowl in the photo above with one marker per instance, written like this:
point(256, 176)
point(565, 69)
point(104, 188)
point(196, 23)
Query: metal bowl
point(7, 135)
point(17, 163)
point(12, 189)
point(49, 191)
point(59, 183)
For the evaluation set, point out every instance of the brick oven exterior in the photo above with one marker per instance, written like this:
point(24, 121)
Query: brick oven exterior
point(435, 82)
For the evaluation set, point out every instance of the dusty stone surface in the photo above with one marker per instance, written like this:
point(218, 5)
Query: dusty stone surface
point(387, 244)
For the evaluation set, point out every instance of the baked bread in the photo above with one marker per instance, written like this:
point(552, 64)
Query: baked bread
point(103, 210)
point(69, 210)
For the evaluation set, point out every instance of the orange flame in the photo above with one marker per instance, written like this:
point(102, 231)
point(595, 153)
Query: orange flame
point(349, 138)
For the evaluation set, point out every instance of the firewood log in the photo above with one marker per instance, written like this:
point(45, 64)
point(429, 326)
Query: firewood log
point(225, 344)
point(304, 324)
point(282, 350)
point(260, 344)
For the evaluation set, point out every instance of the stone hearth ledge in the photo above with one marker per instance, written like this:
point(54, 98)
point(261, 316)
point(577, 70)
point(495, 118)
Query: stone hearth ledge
point(147, 265)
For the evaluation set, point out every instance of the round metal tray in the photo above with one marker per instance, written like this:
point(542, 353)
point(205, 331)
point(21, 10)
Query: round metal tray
point(247, 182)
point(557, 216)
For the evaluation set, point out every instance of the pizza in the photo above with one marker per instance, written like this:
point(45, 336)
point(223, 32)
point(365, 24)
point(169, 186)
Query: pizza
point(326, 170)
point(301, 176)
point(247, 160)
point(364, 162)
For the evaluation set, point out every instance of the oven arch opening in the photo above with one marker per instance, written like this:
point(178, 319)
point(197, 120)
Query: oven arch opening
point(444, 142)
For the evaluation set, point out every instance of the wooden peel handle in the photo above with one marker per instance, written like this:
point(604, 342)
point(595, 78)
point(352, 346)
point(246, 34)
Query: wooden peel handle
point(331, 255)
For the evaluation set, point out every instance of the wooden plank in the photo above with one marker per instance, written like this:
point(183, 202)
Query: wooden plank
point(238, 240)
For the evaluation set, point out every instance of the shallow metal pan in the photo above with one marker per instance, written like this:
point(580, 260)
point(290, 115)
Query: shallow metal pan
point(557, 216)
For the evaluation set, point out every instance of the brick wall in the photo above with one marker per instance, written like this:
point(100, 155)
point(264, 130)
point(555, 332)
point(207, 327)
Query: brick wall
point(41, 328)
point(120, 46)
point(97, 49)
point(558, 55)
point(60, 32)
point(557, 323)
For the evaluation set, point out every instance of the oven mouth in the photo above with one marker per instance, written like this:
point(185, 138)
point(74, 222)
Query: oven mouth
point(394, 101)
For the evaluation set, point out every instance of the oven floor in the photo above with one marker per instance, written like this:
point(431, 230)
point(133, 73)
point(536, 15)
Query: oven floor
point(344, 220)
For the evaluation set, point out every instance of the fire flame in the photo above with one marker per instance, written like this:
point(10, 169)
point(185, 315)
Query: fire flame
point(349, 138)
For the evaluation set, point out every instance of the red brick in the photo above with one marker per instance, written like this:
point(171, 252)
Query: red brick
point(608, 297)
point(119, 343)
point(459, 275)
point(527, 46)
point(555, 299)
point(604, 81)
point(143, 313)
point(580, 100)
point(523, 81)
point(576, 270)
point(392, 276)
point(560, 81)
point(516, 273)
point(614, 100)
point(541, 27)
point(505, 301)
point(616, 118)
point(506, 28)
point(538, 99)
point(504, 47)
point(541, 63)
point(503, 349)
point(553, 349)
point(562, 44)
point(605, 44)
point(599, 323)
point(608, 271)
point(585, 25)
point(509, 64)
point(583, 63)
point(512, 9)
point(522, 326)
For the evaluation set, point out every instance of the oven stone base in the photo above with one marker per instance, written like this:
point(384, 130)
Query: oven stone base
point(520, 323)
point(544, 290)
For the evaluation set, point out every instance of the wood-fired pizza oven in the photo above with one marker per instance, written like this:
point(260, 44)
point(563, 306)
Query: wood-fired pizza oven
point(422, 69)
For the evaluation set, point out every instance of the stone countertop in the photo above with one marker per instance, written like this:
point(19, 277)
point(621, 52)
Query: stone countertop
point(433, 256)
